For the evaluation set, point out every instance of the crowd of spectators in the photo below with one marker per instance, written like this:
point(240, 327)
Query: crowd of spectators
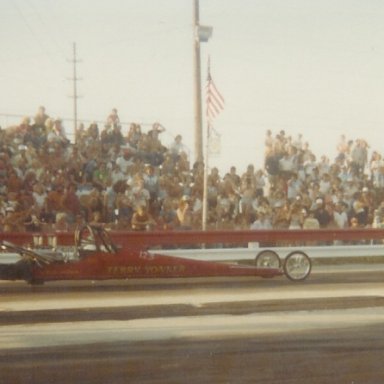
point(133, 181)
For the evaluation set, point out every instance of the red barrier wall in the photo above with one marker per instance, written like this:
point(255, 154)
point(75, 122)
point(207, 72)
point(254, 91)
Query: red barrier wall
point(169, 238)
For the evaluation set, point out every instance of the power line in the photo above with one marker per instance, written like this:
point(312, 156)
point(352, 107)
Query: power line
point(42, 23)
point(32, 30)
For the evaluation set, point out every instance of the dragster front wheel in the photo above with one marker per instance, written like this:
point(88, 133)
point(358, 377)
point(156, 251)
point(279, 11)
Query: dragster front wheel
point(268, 259)
point(297, 266)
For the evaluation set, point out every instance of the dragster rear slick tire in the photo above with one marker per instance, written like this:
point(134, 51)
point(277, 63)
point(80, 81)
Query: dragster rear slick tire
point(21, 270)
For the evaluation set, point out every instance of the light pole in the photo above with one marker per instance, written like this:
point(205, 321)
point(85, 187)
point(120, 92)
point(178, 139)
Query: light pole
point(200, 34)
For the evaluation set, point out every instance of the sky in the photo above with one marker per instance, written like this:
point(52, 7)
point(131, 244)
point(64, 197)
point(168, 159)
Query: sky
point(303, 66)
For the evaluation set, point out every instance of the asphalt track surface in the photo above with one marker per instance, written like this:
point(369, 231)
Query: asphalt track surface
point(328, 329)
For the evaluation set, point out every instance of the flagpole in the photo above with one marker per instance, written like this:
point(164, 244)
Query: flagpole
point(206, 155)
point(205, 186)
point(214, 104)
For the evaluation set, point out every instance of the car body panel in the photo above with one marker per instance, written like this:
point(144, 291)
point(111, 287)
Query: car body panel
point(95, 256)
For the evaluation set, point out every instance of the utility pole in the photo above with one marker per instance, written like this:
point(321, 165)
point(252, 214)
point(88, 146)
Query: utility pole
point(200, 34)
point(74, 95)
point(197, 85)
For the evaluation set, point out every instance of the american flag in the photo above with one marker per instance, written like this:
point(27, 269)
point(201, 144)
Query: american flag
point(215, 102)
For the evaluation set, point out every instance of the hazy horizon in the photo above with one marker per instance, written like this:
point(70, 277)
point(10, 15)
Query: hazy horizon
point(303, 66)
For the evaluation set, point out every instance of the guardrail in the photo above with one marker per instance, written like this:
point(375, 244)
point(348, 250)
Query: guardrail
point(314, 252)
point(228, 239)
point(230, 245)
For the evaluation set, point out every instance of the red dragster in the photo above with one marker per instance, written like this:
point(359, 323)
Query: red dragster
point(94, 256)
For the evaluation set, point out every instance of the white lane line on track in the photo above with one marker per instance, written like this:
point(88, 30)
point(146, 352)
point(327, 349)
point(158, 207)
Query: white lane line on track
point(218, 326)
point(198, 299)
